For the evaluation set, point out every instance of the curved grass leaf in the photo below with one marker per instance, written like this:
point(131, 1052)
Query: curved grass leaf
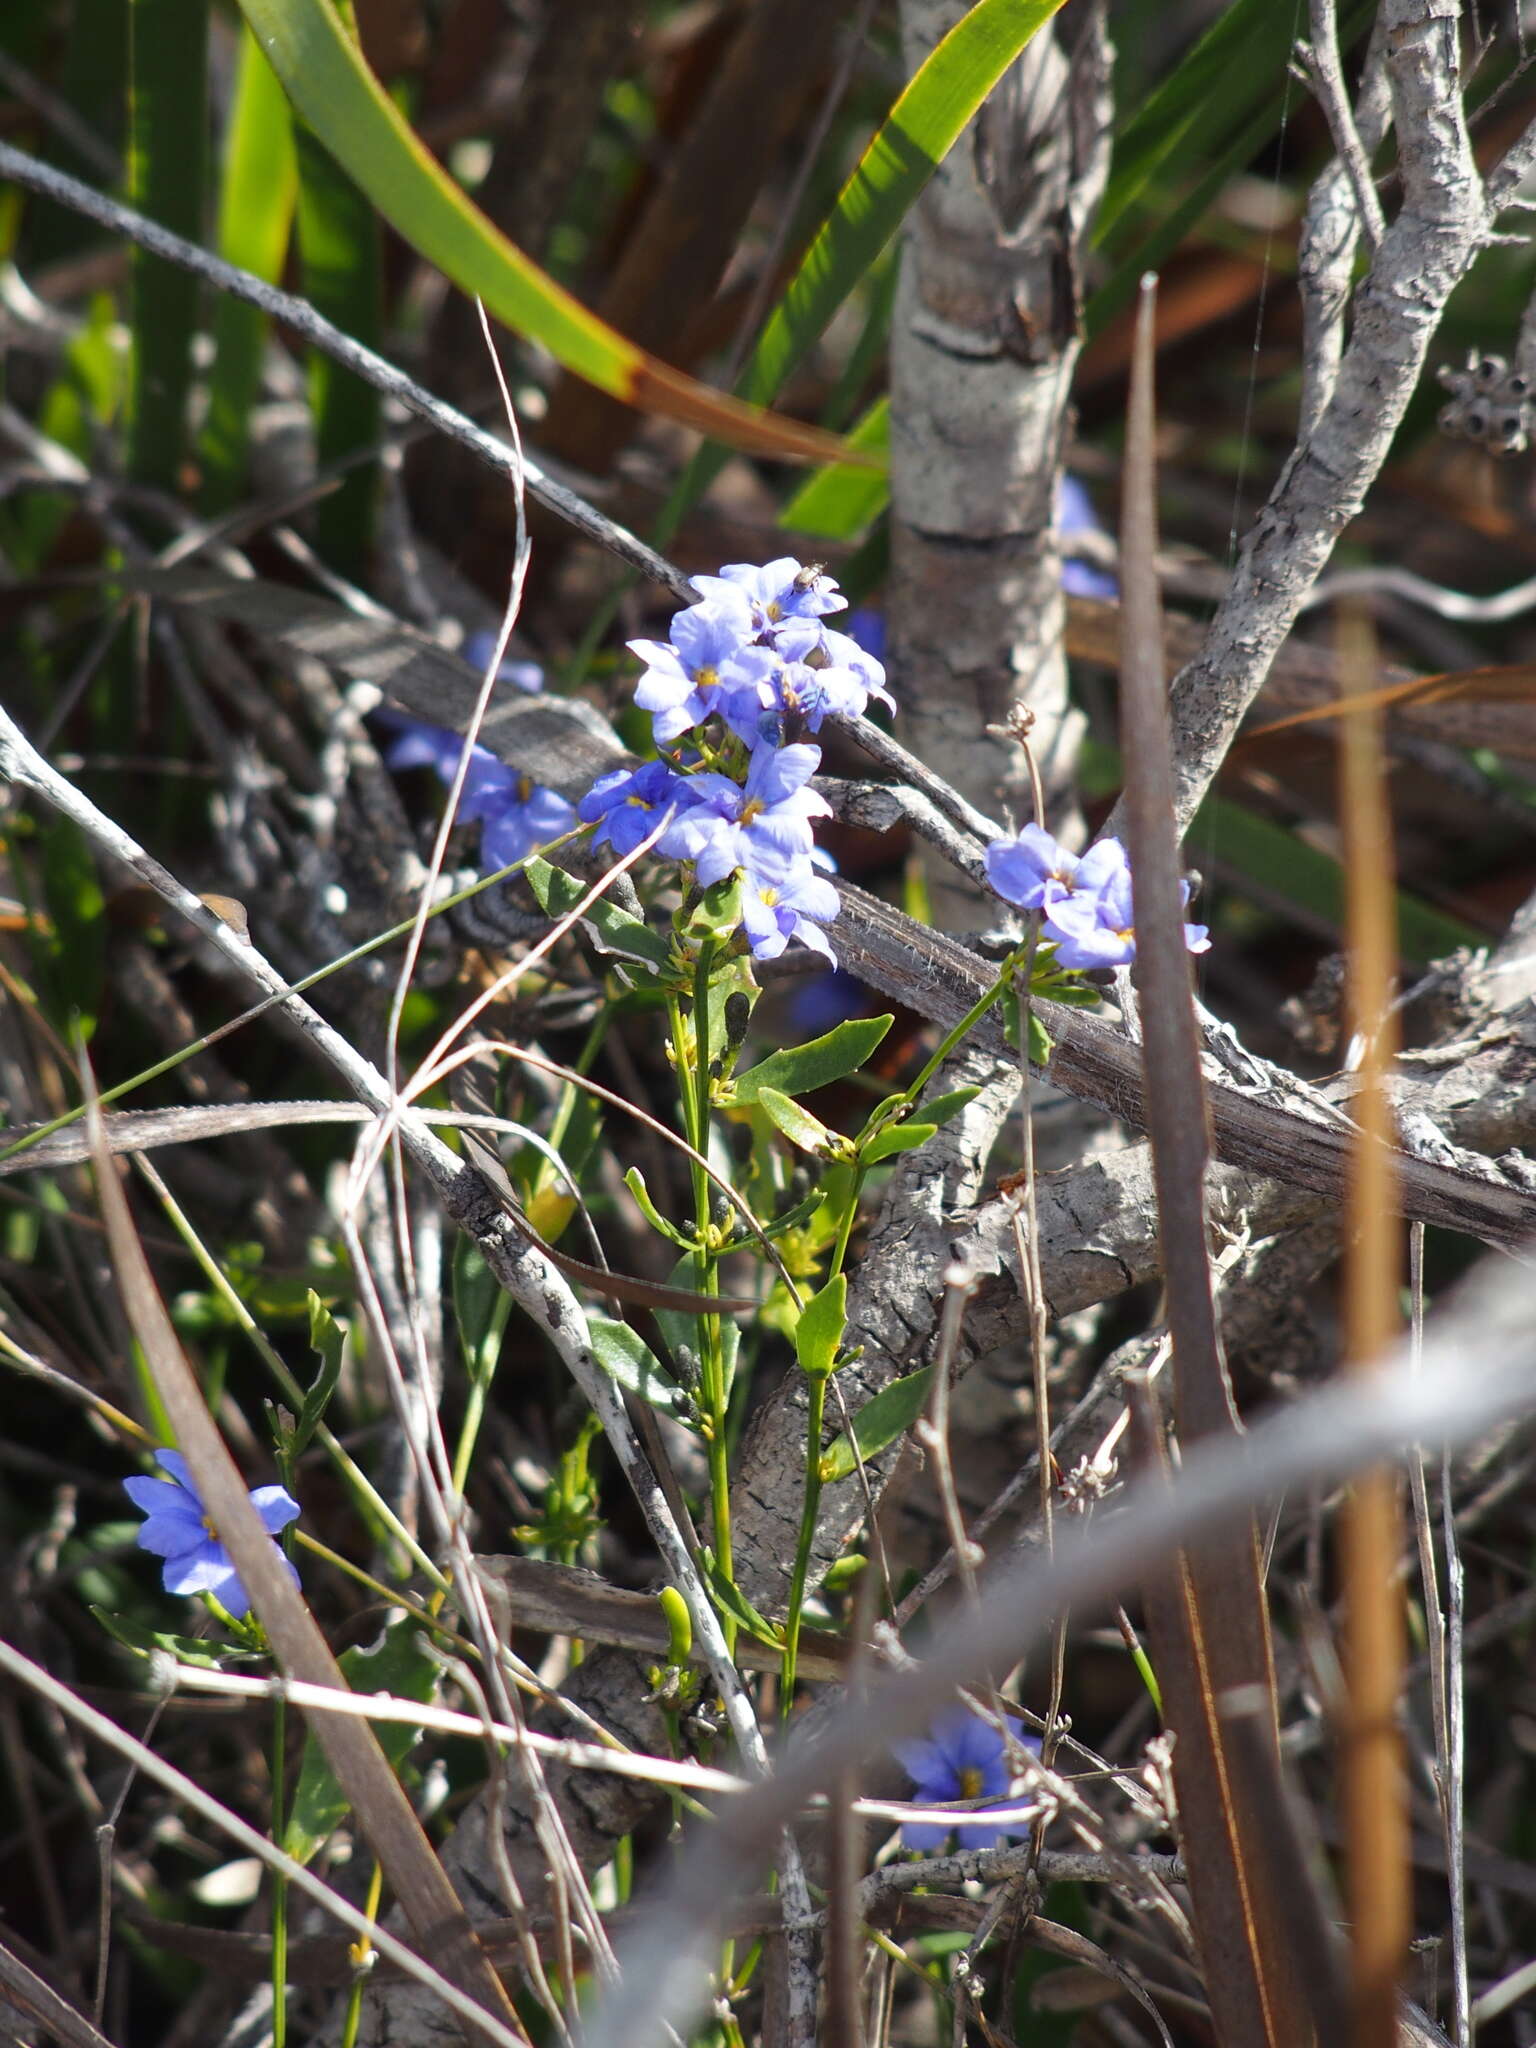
point(921, 129)
point(329, 83)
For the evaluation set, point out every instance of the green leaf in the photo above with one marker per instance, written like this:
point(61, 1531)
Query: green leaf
point(481, 1309)
point(167, 162)
point(896, 1138)
point(819, 1331)
point(558, 895)
point(340, 244)
point(716, 914)
point(395, 1664)
point(629, 1360)
point(1041, 1043)
point(732, 1601)
point(926, 122)
point(798, 1125)
point(801, 1069)
point(879, 1422)
point(841, 500)
point(328, 81)
point(144, 1642)
point(327, 1337)
point(943, 1107)
point(257, 194)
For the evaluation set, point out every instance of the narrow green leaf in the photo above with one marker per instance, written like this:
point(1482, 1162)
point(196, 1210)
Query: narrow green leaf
point(841, 500)
point(167, 158)
point(329, 83)
point(735, 1603)
point(879, 1422)
point(922, 127)
point(144, 1642)
point(258, 191)
point(629, 1360)
point(340, 244)
point(798, 1125)
point(559, 893)
point(896, 1138)
point(396, 1664)
point(927, 120)
point(800, 1069)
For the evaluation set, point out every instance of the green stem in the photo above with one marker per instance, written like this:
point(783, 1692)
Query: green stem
point(279, 1881)
point(693, 1093)
point(815, 1409)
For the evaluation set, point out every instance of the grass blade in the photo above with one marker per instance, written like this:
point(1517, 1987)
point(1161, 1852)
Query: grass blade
point(167, 159)
point(258, 191)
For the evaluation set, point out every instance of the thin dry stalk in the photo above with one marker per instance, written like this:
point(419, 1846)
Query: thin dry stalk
point(1372, 1764)
point(1207, 1621)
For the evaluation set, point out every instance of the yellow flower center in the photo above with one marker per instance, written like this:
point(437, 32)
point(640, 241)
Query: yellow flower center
point(707, 679)
point(769, 896)
point(970, 1783)
point(524, 788)
point(750, 810)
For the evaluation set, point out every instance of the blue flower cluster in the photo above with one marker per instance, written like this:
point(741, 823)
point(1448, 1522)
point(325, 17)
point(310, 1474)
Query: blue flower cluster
point(1085, 901)
point(516, 815)
point(745, 672)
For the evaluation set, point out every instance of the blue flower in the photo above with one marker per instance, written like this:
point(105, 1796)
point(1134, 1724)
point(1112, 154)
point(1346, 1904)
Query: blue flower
point(728, 825)
point(783, 898)
point(777, 591)
point(823, 674)
point(625, 805)
point(708, 663)
point(179, 1530)
point(1032, 870)
point(516, 813)
point(523, 817)
point(1095, 925)
point(1075, 514)
point(962, 1757)
point(487, 781)
point(522, 675)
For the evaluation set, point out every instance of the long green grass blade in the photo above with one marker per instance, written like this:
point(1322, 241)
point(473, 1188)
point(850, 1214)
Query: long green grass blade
point(258, 191)
point(328, 82)
point(339, 238)
point(926, 122)
point(167, 160)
